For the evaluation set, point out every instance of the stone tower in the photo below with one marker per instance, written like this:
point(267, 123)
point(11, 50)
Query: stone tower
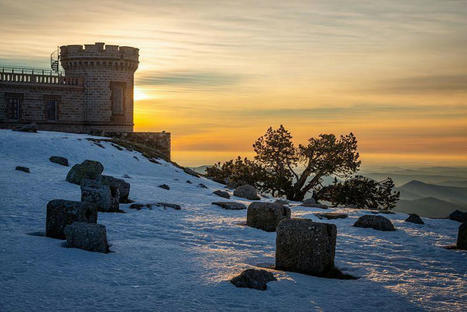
point(107, 72)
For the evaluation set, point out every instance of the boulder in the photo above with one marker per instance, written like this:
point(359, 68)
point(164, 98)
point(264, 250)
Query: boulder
point(24, 169)
point(331, 215)
point(379, 223)
point(32, 127)
point(223, 194)
point(106, 197)
point(59, 160)
point(230, 205)
point(123, 187)
point(281, 201)
point(310, 202)
point(462, 237)
point(164, 186)
point(61, 213)
point(266, 216)
point(458, 216)
point(414, 218)
point(88, 169)
point(246, 191)
point(253, 278)
point(87, 236)
point(305, 246)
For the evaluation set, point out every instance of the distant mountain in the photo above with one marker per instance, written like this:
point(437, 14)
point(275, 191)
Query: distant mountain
point(428, 207)
point(458, 183)
point(417, 190)
point(450, 176)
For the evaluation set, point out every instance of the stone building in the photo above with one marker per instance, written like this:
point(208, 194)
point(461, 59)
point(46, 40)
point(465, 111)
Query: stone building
point(94, 95)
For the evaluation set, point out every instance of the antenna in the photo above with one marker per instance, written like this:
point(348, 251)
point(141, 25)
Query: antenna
point(55, 61)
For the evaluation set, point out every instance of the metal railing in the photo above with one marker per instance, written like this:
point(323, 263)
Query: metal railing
point(28, 70)
point(35, 76)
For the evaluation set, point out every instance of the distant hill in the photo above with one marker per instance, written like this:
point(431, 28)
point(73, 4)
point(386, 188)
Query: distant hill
point(417, 190)
point(450, 176)
point(428, 207)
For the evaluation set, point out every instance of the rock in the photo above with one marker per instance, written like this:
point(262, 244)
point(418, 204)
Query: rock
point(230, 205)
point(24, 169)
point(414, 218)
point(223, 194)
point(106, 197)
point(201, 185)
point(87, 236)
point(32, 127)
point(88, 169)
point(281, 202)
point(164, 186)
point(188, 181)
point(266, 216)
point(191, 172)
point(305, 246)
point(458, 216)
point(253, 278)
point(123, 187)
point(168, 205)
point(59, 160)
point(310, 202)
point(246, 191)
point(462, 237)
point(149, 206)
point(61, 213)
point(379, 223)
point(331, 215)
point(139, 206)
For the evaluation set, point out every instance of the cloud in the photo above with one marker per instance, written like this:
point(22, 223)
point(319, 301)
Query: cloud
point(423, 84)
point(189, 79)
point(355, 110)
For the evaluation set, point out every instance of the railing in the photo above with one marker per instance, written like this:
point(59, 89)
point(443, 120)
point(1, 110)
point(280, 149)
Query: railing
point(29, 70)
point(31, 76)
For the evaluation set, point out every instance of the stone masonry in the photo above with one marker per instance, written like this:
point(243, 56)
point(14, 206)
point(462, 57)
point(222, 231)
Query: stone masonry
point(95, 94)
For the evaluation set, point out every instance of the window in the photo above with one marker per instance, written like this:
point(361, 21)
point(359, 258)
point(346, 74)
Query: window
point(13, 105)
point(51, 107)
point(117, 97)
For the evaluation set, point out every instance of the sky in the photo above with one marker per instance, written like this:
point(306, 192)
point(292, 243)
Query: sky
point(217, 74)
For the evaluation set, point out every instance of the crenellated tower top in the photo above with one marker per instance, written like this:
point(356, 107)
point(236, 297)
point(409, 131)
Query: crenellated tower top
point(99, 54)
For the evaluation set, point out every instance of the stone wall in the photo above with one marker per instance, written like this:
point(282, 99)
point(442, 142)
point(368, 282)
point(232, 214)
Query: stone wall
point(103, 68)
point(70, 101)
point(97, 78)
point(159, 141)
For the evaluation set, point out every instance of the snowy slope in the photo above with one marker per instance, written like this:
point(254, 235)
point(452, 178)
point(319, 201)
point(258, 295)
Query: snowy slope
point(168, 260)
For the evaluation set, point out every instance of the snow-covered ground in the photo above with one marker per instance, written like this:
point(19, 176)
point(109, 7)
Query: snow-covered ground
point(168, 260)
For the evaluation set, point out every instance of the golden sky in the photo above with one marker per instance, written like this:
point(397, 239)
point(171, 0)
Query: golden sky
point(217, 73)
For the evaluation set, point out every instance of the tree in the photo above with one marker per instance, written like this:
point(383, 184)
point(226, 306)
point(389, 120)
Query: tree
point(360, 192)
point(275, 165)
point(235, 172)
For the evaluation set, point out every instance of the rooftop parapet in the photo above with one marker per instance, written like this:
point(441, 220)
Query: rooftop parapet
point(100, 51)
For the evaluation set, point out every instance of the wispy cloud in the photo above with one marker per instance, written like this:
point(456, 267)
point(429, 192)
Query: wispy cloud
point(197, 79)
point(422, 84)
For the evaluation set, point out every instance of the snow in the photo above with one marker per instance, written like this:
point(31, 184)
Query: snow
point(169, 260)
